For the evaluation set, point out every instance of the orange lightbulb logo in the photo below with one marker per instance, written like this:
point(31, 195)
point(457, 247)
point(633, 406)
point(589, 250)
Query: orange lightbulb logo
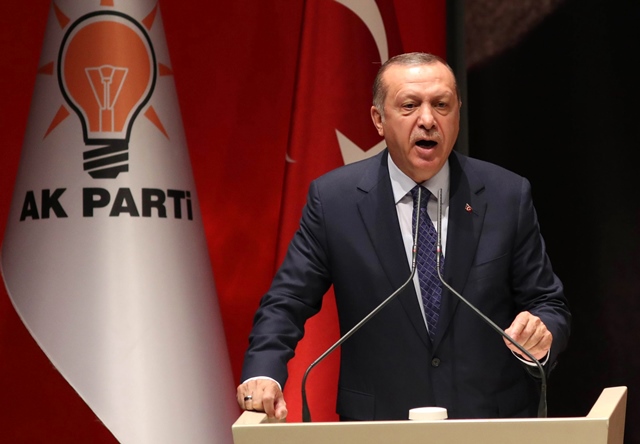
point(107, 73)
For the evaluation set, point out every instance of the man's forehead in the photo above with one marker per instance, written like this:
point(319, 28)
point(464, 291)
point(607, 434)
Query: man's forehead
point(434, 76)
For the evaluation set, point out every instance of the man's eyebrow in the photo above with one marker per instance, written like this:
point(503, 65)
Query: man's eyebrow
point(408, 95)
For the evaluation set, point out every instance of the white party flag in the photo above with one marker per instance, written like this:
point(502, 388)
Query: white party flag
point(104, 255)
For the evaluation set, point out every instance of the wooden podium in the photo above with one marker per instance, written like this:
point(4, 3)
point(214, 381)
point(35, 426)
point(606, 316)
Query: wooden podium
point(603, 425)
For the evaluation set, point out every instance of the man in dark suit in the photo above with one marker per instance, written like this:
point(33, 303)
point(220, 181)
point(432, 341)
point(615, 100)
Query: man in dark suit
point(356, 234)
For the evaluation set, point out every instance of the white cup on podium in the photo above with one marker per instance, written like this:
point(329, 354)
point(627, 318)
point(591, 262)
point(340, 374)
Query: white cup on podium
point(428, 414)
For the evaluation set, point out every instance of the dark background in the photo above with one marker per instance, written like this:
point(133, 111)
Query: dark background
point(560, 107)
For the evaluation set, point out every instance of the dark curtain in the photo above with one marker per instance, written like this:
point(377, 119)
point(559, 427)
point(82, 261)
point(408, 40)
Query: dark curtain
point(560, 107)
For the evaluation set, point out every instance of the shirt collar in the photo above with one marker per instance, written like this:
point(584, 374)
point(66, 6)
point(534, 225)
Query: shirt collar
point(403, 184)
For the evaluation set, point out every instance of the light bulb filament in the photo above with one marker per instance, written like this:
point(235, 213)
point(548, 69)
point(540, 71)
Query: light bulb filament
point(103, 80)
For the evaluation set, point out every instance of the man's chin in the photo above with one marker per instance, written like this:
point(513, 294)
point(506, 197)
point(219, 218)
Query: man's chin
point(425, 167)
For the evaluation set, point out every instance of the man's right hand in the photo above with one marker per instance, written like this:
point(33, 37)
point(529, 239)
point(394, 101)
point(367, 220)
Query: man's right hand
point(264, 395)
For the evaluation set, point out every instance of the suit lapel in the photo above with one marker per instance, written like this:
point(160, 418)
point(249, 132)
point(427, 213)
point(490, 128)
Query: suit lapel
point(467, 207)
point(377, 209)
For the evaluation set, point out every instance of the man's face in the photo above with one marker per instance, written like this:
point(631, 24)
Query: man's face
point(421, 117)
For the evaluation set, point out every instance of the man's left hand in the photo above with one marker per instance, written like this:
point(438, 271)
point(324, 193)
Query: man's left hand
point(530, 332)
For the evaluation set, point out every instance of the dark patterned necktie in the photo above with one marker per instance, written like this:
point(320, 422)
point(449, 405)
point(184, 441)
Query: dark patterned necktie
point(430, 285)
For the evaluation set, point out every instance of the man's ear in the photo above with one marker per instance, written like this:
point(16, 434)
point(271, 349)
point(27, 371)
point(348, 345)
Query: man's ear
point(377, 120)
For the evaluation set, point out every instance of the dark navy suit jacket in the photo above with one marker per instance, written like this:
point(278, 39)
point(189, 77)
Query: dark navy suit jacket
point(350, 238)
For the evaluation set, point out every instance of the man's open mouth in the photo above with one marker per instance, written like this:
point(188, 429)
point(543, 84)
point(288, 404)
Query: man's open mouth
point(426, 143)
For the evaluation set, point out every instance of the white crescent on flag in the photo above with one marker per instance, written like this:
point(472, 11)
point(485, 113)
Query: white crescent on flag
point(368, 12)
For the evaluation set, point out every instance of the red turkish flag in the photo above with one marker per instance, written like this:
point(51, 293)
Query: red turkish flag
point(342, 46)
point(236, 95)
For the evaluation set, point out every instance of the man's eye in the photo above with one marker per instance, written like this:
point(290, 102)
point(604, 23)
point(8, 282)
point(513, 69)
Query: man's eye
point(442, 105)
point(409, 106)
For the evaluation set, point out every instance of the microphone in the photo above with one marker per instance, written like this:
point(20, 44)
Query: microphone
point(542, 405)
point(306, 414)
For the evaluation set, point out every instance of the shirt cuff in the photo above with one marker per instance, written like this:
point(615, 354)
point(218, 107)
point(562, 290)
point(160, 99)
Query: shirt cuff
point(543, 361)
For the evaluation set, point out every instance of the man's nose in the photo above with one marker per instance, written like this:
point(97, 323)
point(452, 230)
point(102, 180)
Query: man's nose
point(426, 118)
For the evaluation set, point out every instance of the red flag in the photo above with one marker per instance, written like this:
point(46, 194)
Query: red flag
point(236, 99)
point(342, 46)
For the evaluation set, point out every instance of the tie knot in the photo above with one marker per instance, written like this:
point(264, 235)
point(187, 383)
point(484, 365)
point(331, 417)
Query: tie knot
point(424, 197)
